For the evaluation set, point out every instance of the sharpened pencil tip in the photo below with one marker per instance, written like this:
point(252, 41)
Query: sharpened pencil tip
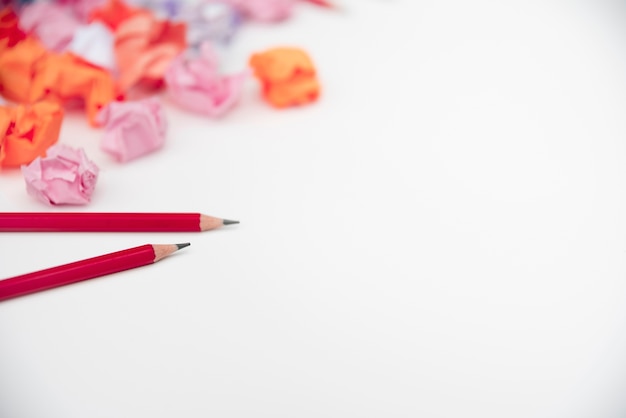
point(229, 222)
point(183, 245)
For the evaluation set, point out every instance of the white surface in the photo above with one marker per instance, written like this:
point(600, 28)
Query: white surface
point(442, 235)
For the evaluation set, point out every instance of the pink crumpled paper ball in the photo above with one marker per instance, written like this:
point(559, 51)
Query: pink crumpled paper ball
point(52, 24)
point(133, 129)
point(196, 85)
point(64, 177)
point(264, 10)
point(81, 8)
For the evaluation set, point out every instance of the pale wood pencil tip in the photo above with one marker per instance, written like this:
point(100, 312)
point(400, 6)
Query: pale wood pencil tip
point(211, 222)
point(162, 251)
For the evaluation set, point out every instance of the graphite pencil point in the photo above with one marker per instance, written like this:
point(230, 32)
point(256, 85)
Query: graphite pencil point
point(229, 222)
point(183, 245)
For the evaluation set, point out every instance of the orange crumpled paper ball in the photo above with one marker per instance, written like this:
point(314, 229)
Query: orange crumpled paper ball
point(29, 73)
point(144, 45)
point(26, 132)
point(16, 69)
point(287, 76)
point(65, 77)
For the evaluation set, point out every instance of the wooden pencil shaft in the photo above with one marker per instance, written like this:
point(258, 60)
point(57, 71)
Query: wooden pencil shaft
point(77, 271)
point(99, 222)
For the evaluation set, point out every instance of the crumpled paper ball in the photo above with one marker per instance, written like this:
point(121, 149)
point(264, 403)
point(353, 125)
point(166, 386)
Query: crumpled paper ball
point(165, 9)
point(264, 10)
point(26, 132)
point(64, 177)
point(29, 74)
point(213, 21)
point(94, 44)
point(287, 76)
point(51, 23)
point(66, 77)
point(144, 45)
point(10, 32)
point(17, 65)
point(207, 20)
point(81, 8)
point(112, 13)
point(133, 129)
point(196, 85)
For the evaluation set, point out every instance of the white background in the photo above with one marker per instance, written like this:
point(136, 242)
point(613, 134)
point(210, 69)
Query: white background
point(442, 235)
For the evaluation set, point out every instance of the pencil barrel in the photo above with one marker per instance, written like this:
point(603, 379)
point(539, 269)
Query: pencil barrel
point(99, 222)
point(77, 271)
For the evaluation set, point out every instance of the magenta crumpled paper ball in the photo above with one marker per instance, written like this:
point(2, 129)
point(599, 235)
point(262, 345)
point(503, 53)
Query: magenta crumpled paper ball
point(64, 177)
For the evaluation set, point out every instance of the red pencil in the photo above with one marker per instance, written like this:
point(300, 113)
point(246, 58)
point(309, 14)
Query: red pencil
point(85, 269)
point(108, 222)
